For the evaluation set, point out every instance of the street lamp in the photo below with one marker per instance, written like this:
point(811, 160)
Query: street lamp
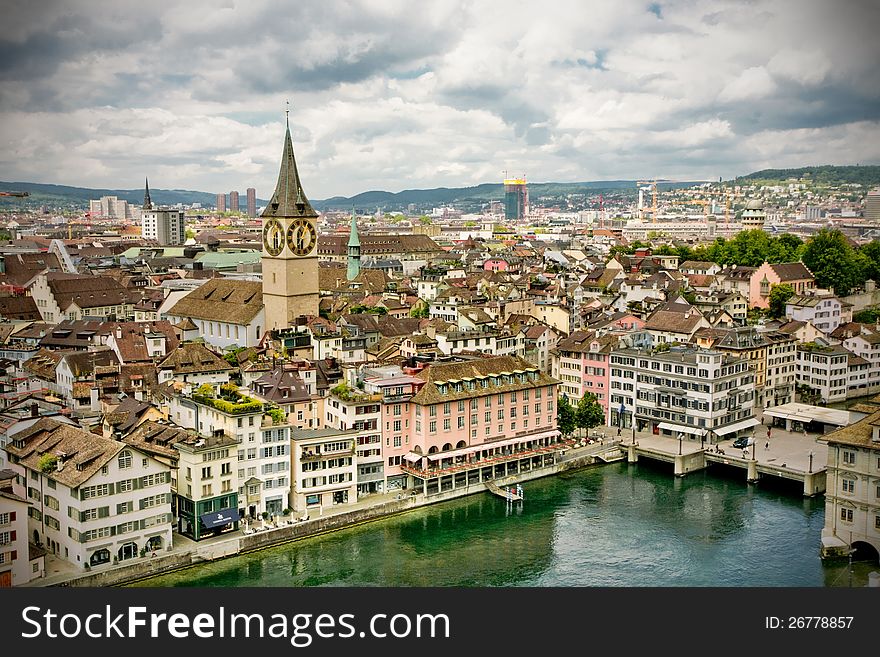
point(811, 461)
point(680, 438)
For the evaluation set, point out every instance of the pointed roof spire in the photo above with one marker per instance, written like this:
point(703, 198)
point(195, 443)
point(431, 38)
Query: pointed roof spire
point(354, 239)
point(289, 199)
point(148, 204)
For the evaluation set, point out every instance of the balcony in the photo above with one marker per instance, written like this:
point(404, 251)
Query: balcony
point(308, 456)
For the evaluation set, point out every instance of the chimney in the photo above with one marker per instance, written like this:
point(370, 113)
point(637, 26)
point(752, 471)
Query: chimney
point(118, 332)
point(35, 409)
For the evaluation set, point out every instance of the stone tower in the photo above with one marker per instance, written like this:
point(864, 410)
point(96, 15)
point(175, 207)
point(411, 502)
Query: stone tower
point(290, 240)
point(354, 251)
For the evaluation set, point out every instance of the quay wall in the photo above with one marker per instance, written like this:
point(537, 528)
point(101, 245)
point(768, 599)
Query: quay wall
point(146, 567)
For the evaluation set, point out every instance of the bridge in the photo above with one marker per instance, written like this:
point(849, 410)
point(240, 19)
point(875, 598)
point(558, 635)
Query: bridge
point(691, 458)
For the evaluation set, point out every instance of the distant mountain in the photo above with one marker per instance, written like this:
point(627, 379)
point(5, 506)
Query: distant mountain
point(478, 194)
point(79, 197)
point(827, 174)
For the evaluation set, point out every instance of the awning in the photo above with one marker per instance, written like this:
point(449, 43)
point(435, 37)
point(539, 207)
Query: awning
point(412, 457)
point(731, 428)
point(683, 428)
point(491, 445)
point(219, 518)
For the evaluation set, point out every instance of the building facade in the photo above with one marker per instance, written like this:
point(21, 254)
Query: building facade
point(700, 394)
point(852, 494)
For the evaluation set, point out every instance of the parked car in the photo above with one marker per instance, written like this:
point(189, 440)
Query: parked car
point(742, 442)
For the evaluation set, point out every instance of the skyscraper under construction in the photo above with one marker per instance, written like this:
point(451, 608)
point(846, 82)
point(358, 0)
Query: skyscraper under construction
point(516, 198)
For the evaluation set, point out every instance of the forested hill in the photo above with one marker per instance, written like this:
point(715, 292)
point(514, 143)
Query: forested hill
point(829, 174)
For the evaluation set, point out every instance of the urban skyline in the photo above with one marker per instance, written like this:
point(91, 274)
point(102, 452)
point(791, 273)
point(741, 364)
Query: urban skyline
point(382, 98)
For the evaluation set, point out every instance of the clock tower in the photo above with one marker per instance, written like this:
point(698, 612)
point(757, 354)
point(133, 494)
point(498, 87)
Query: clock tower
point(290, 240)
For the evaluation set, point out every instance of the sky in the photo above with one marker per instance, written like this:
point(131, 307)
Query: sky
point(395, 94)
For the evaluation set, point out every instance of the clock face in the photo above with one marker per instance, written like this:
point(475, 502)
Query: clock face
point(273, 237)
point(301, 237)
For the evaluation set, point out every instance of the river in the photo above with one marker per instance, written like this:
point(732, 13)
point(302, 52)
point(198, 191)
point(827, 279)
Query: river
point(614, 525)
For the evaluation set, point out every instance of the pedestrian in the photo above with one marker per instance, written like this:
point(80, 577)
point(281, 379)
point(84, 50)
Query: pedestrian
point(618, 432)
point(768, 433)
point(767, 445)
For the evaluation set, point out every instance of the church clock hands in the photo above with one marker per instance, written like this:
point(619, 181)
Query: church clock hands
point(273, 237)
point(301, 237)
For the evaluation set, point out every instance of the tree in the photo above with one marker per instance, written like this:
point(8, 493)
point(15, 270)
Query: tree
point(420, 310)
point(589, 412)
point(871, 253)
point(867, 316)
point(834, 263)
point(779, 296)
point(565, 416)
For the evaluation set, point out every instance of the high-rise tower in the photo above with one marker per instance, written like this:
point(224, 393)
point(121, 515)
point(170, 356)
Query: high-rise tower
point(516, 198)
point(251, 202)
point(234, 205)
point(290, 258)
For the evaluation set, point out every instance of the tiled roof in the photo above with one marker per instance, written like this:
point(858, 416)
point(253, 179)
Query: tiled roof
point(222, 300)
point(193, 358)
point(792, 271)
point(858, 434)
point(83, 453)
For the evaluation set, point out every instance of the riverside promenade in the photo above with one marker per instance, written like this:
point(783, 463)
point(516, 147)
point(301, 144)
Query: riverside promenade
point(185, 552)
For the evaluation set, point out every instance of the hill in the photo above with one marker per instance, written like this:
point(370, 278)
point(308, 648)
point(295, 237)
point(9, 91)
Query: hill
point(78, 197)
point(867, 175)
point(476, 195)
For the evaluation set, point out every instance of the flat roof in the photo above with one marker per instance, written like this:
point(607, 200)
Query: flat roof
point(807, 413)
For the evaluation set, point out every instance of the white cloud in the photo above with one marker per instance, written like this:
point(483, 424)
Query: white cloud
point(394, 95)
point(752, 83)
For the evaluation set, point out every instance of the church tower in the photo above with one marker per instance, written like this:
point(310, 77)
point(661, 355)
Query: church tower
point(290, 258)
point(354, 250)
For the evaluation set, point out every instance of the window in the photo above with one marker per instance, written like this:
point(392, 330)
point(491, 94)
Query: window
point(446, 424)
point(447, 408)
point(500, 413)
point(397, 441)
point(461, 421)
point(846, 515)
point(849, 485)
point(226, 468)
point(849, 457)
point(432, 426)
point(206, 473)
point(206, 490)
point(124, 460)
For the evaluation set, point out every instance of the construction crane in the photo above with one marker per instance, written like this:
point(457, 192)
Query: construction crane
point(18, 194)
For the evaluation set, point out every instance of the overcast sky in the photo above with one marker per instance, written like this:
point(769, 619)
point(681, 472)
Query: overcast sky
point(392, 95)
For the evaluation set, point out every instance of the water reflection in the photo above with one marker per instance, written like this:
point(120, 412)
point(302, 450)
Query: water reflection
point(616, 525)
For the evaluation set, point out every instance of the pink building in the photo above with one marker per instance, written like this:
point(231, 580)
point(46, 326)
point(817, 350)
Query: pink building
point(580, 362)
point(766, 276)
point(495, 264)
point(460, 423)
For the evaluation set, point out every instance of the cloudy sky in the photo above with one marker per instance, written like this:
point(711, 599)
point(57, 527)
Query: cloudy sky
point(396, 94)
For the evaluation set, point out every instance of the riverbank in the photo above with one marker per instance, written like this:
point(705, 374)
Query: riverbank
point(185, 553)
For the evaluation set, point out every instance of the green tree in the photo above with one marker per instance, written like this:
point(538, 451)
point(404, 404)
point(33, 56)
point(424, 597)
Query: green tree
point(565, 416)
point(589, 412)
point(779, 295)
point(871, 253)
point(420, 311)
point(867, 316)
point(834, 263)
point(424, 220)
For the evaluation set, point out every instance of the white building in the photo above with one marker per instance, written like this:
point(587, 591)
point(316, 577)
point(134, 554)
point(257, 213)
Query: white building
point(229, 313)
point(165, 227)
point(852, 494)
point(824, 369)
point(324, 469)
point(20, 562)
point(700, 393)
point(94, 500)
point(826, 313)
point(362, 413)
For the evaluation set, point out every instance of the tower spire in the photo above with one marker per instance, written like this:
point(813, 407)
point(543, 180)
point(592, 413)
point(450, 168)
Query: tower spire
point(148, 204)
point(289, 199)
point(354, 250)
